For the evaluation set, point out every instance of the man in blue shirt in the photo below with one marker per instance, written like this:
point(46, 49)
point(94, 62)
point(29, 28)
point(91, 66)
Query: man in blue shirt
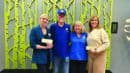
point(60, 34)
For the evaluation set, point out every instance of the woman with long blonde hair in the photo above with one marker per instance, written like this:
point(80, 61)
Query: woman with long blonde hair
point(97, 43)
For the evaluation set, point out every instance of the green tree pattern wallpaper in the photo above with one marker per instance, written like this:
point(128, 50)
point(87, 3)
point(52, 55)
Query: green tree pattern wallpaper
point(21, 15)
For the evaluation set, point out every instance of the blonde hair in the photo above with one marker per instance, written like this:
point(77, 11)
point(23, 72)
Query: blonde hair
point(91, 19)
point(78, 22)
point(44, 15)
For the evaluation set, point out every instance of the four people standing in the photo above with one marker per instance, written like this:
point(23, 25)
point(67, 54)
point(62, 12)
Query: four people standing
point(76, 47)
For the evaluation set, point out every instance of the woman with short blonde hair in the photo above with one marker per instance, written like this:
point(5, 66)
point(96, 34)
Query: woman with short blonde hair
point(81, 24)
point(41, 50)
point(78, 54)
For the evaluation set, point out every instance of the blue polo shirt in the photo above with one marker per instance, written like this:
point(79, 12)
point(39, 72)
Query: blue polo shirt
point(78, 45)
point(60, 36)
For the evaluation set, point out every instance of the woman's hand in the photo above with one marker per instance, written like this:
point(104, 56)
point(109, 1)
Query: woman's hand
point(40, 47)
point(92, 51)
point(98, 51)
point(49, 46)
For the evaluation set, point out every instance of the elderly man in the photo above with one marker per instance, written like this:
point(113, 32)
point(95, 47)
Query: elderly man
point(60, 34)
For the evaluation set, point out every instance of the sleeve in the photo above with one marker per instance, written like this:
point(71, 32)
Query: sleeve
point(87, 46)
point(32, 39)
point(86, 39)
point(52, 34)
point(105, 41)
point(49, 33)
point(52, 30)
point(69, 36)
point(69, 33)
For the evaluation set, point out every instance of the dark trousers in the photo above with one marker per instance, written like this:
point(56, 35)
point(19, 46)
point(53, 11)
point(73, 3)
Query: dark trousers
point(42, 68)
point(78, 66)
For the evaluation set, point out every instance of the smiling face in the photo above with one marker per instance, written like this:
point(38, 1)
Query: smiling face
point(78, 27)
point(44, 20)
point(94, 22)
point(61, 18)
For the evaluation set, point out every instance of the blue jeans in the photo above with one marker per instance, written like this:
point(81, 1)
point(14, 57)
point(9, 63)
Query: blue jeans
point(61, 65)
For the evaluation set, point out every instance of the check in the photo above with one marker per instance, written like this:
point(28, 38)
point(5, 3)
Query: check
point(47, 41)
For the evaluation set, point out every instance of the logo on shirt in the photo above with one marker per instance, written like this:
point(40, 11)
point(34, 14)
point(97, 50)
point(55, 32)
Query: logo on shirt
point(67, 29)
point(84, 37)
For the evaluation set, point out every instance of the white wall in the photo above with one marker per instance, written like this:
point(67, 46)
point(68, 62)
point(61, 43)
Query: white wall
point(1, 36)
point(120, 53)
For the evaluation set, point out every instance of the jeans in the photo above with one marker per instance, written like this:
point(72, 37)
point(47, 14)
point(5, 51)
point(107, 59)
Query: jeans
point(61, 65)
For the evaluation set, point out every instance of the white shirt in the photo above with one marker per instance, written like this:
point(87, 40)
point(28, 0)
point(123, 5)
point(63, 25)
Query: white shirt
point(97, 39)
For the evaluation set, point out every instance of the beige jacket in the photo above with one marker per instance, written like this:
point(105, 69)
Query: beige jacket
point(98, 39)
